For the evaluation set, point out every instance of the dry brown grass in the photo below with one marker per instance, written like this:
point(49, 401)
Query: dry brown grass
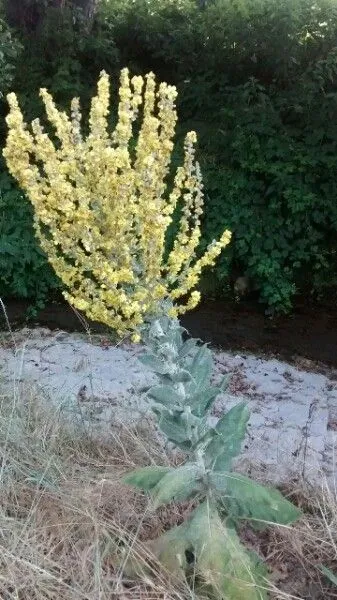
point(66, 520)
point(297, 553)
point(67, 523)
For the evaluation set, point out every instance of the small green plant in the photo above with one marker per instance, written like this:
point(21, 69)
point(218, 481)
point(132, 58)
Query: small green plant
point(206, 548)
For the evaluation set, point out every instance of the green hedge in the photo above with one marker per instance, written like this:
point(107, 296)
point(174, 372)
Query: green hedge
point(25, 272)
point(257, 79)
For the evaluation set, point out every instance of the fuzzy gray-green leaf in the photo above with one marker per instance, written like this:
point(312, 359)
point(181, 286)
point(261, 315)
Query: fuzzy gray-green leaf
point(179, 484)
point(181, 376)
point(202, 366)
point(154, 363)
point(227, 438)
point(187, 348)
point(165, 394)
point(170, 549)
point(201, 401)
point(243, 498)
point(173, 427)
point(174, 338)
point(221, 561)
point(146, 478)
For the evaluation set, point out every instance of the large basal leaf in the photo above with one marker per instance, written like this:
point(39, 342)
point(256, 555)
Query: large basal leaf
point(245, 499)
point(147, 477)
point(222, 562)
point(179, 484)
point(165, 394)
point(227, 438)
point(169, 549)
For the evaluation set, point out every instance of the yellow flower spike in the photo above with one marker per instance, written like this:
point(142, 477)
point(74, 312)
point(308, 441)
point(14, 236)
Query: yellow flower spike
point(192, 302)
point(137, 84)
point(76, 118)
point(100, 109)
point(102, 208)
point(189, 234)
point(58, 119)
point(149, 95)
point(126, 110)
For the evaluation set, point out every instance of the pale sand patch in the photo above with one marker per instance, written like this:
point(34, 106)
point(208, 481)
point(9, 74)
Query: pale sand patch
point(292, 431)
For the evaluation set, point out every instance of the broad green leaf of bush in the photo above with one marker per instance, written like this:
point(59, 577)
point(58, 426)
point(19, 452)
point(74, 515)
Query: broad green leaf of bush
point(10, 49)
point(24, 270)
point(147, 477)
point(221, 560)
point(243, 498)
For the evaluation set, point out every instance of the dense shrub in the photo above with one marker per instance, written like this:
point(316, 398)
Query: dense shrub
point(257, 79)
point(65, 56)
point(25, 272)
point(9, 51)
point(276, 188)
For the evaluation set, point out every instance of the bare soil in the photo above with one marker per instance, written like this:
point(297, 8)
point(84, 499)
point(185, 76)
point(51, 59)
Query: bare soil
point(310, 332)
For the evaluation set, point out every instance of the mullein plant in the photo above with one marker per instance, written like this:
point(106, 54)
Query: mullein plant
point(102, 210)
point(102, 207)
point(205, 549)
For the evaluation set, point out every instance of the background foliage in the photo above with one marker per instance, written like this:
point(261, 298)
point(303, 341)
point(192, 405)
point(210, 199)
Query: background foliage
point(25, 273)
point(257, 79)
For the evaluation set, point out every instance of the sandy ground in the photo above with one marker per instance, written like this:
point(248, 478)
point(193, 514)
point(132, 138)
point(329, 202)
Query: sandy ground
point(292, 432)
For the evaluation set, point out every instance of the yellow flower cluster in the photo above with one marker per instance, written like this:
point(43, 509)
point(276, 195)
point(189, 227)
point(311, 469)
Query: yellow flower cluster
point(101, 203)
